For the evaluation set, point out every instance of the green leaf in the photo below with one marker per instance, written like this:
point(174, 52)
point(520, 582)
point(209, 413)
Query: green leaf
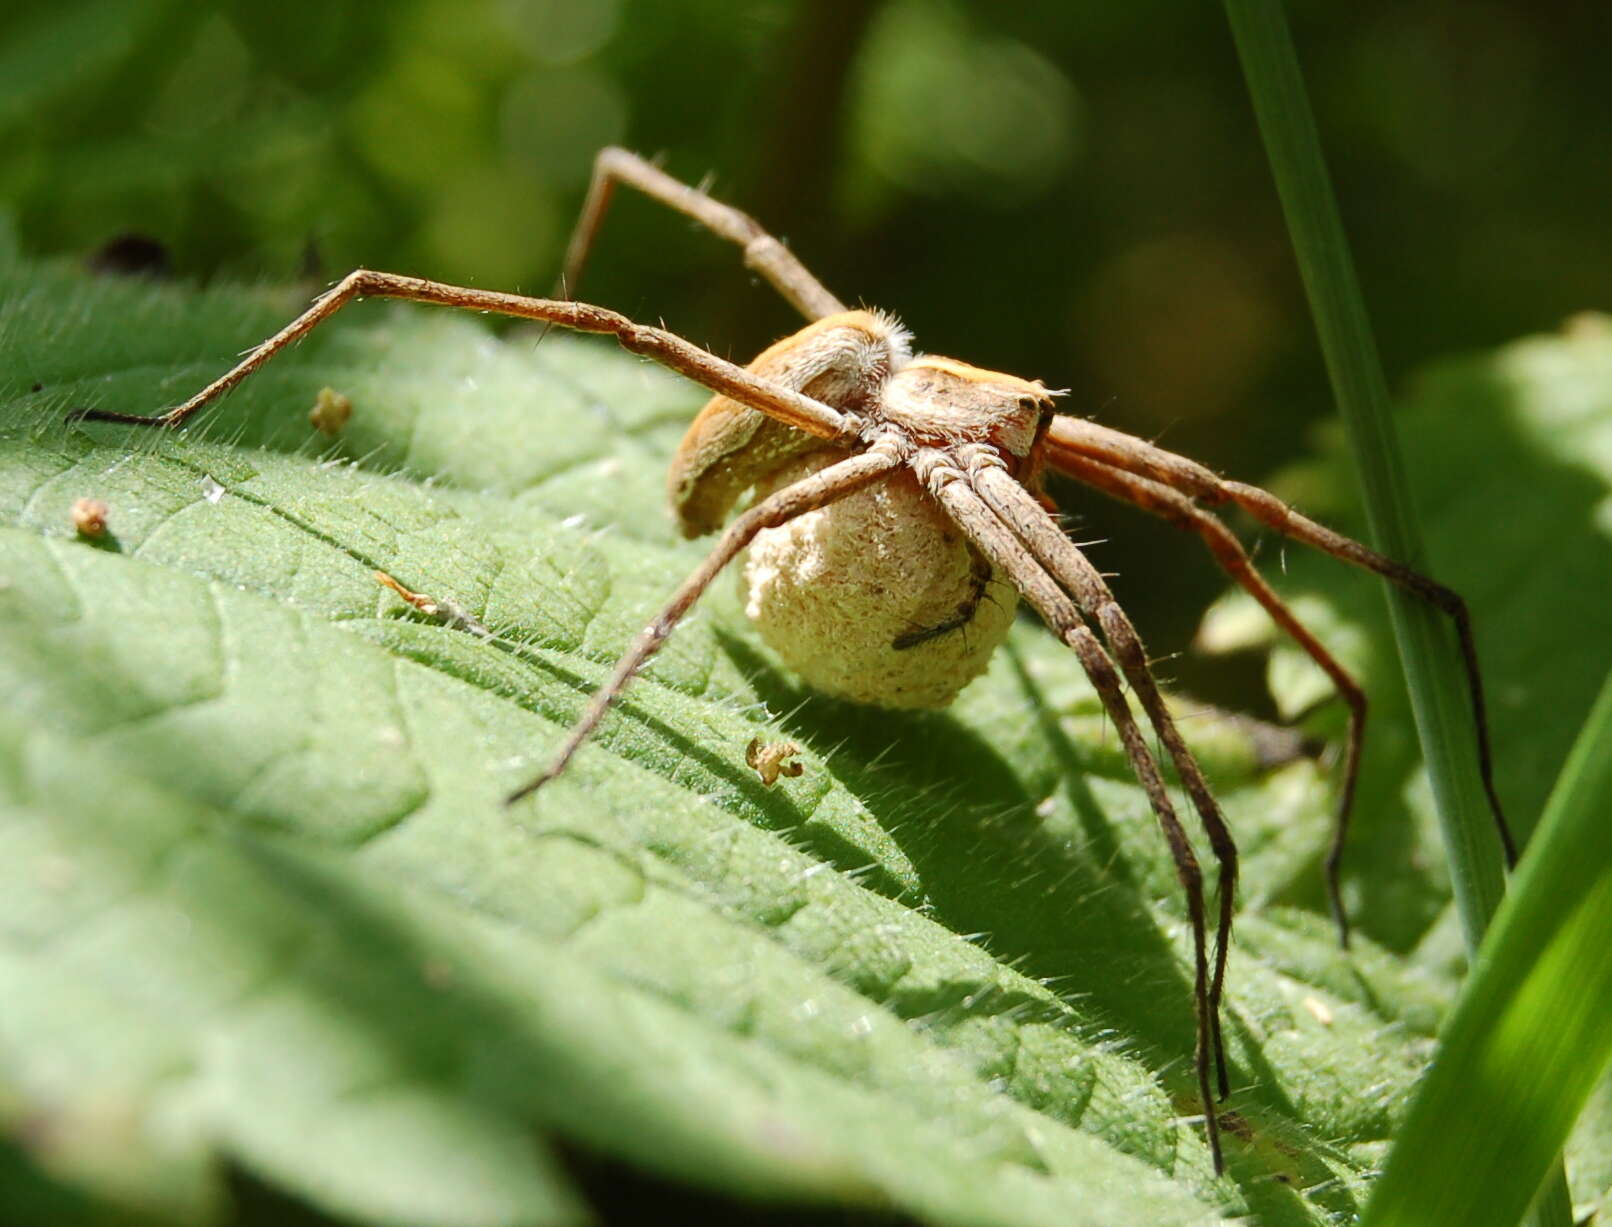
point(262, 905)
point(1434, 671)
point(1532, 1032)
point(1512, 450)
point(1512, 453)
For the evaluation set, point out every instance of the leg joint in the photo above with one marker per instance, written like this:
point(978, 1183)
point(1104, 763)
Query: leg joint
point(1187, 870)
point(762, 248)
point(1121, 634)
point(936, 469)
point(1092, 658)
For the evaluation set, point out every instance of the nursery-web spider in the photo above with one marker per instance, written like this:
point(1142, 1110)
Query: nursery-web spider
point(898, 505)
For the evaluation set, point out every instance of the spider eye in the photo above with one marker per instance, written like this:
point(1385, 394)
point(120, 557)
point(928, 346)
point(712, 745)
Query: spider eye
point(1029, 404)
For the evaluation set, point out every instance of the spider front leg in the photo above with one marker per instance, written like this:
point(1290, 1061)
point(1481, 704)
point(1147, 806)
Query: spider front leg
point(1228, 551)
point(762, 252)
point(1073, 438)
point(735, 382)
point(1062, 558)
point(945, 477)
point(808, 494)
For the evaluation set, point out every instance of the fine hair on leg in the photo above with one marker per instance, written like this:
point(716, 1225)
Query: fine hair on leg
point(808, 494)
point(1073, 571)
point(946, 478)
point(762, 252)
point(1228, 551)
point(670, 350)
point(1082, 438)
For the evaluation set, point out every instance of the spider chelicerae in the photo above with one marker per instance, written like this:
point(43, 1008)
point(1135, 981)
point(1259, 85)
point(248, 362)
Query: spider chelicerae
point(897, 515)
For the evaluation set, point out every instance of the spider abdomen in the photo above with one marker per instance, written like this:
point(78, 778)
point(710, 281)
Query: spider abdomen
point(876, 598)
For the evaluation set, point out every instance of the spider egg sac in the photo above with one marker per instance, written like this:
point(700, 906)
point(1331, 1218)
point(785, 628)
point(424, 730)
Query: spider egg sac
point(835, 591)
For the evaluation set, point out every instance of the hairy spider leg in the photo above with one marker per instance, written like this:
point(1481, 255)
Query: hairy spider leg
point(735, 382)
point(762, 252)
point(808, 494)
point(1078, 437)
point(947, 478)
point(1228, 551)
point(1063, 560)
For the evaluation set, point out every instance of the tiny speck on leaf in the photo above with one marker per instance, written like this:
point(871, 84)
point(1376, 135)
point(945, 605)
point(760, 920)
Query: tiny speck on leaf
point(770, 759)
point(331, 411)
point(1319, 1010)
point(89, 517)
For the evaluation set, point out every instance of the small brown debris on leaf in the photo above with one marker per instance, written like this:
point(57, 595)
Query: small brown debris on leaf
point(770, 759)
point(444, 609)
point(330, 412)
point(89, 517)
point(419, 600)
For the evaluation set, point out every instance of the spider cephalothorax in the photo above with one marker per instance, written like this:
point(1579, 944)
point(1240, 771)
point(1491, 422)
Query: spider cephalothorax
point(877, 597)
point(896, 516)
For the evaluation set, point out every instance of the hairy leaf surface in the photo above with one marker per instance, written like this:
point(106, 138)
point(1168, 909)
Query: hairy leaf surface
point(263, 905)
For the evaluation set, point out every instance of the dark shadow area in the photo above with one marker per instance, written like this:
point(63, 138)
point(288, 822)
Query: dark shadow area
point(31, 1198)
point(621, 1196)
point(615, 1195)
point(741, 791)
point(1070, 914)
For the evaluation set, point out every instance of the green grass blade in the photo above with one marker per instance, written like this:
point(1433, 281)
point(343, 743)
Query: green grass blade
point(1427, 649)
point(1433, 668)
point(1532, 1032)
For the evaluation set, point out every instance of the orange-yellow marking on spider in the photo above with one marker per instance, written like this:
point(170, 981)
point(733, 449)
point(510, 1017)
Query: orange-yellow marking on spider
point(877, 597)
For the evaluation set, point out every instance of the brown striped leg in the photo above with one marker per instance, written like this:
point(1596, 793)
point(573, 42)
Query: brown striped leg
point(788, 406)
point(1073, 571)
point(805, 495)
point(944, 477)
point(1070, 437)
point(763, 253)
point(1228, 551)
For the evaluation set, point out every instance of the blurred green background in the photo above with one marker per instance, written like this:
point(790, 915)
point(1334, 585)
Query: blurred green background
point(1070, 192)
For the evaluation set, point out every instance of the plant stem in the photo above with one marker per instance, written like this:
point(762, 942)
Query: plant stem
point(1427, 650)
point(1433, 669)
point(1532, 1032)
